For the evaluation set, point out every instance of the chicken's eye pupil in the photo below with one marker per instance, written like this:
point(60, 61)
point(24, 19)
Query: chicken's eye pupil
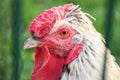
point(64, 32)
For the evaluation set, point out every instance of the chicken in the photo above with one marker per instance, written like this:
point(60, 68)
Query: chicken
point(68, 47)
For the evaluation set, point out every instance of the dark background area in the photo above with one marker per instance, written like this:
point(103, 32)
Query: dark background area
point(32, 8)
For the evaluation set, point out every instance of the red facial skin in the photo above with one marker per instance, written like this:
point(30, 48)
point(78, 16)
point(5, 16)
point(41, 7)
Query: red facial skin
point(56, 49)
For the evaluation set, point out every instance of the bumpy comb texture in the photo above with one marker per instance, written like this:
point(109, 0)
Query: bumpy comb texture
point(45, 21)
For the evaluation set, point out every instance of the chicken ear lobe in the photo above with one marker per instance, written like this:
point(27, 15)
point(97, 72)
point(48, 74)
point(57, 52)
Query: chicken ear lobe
point(77, 39)
point(74, 53)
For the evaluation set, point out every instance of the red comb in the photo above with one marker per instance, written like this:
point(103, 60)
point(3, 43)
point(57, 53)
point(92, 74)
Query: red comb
point(45, 21)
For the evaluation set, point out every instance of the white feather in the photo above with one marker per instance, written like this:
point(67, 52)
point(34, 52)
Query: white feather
point(89, 64)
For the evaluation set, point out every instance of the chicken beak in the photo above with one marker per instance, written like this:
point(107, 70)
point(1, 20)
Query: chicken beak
point(30, 43)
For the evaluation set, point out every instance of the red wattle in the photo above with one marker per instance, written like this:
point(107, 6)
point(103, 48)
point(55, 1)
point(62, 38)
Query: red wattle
point(52, 70)
point(49, 66)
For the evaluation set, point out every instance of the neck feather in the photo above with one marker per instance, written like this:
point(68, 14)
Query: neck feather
point(89, 64)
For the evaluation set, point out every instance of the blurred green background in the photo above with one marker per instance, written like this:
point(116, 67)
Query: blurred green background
point(31, 9)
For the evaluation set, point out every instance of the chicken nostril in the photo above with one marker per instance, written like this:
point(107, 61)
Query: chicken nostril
point(32, 32)
point(35, 38)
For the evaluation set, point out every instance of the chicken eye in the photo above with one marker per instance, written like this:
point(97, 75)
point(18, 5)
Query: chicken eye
point(64, 34)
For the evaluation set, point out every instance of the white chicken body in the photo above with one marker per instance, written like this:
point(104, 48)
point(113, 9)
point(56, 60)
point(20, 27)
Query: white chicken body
point(89, 64)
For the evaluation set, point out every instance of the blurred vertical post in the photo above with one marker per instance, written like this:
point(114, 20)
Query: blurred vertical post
point(16, 23)
point(109, 19)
